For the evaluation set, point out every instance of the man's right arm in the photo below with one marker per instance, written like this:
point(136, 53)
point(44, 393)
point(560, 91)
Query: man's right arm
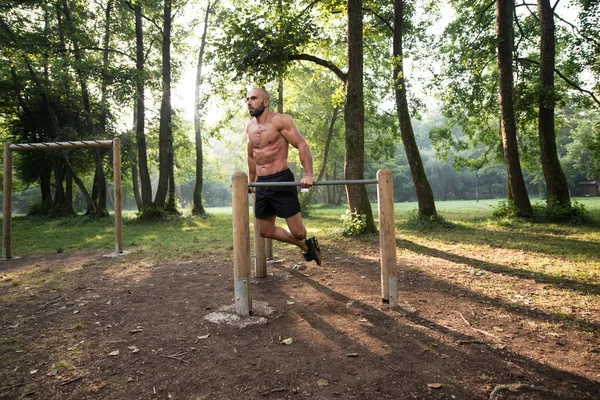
point(251, 164)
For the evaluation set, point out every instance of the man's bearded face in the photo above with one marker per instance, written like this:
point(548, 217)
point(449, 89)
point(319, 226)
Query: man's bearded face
point(257, 111)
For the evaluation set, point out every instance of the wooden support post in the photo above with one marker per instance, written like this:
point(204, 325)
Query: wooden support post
point(7, 204)
point(269, 249)
point(241, 244)
point(387, 237)
point(118, 194)
point(260, 253)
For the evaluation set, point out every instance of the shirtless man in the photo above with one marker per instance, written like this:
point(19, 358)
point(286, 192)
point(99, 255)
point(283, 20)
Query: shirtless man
point(269, 137)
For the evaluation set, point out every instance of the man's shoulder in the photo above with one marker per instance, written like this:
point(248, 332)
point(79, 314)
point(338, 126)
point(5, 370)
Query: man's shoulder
point(279, 118)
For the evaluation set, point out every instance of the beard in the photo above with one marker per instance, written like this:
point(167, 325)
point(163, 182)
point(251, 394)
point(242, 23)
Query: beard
point(256, 112)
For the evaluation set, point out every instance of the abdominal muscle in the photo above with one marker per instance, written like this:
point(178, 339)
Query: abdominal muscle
point(271, 157)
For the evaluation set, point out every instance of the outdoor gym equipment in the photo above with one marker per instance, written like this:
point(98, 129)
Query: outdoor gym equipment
point(7, 184)
point(241, 237)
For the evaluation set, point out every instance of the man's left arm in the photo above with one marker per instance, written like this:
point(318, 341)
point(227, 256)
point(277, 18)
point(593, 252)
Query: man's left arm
point(292, 134)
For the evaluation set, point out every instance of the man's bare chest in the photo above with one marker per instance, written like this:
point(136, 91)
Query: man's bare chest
point(264, 135)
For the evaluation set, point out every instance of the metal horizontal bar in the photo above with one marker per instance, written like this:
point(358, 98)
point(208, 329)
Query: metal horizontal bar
point(316, 183)
point(61, 145)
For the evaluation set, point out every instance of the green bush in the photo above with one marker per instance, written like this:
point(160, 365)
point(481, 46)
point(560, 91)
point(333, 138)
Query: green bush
point(353, 224)
point(152, 213)
point(545, 212)
point(506, 209)
point(39, 208)
point(173, 206)
point(306, 205)
point(431, 222)
point(575, 214)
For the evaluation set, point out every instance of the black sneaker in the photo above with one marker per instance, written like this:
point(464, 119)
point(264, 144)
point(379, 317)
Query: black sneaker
point(314, 251)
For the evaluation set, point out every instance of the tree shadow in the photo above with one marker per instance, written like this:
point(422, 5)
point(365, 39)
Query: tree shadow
point(546, 243)
point(540, 277)
point(421, 349)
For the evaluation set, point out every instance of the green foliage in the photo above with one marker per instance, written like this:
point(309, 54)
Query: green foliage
point(172, 205)
point(428, 222)
point(468, 84)
point(353, 224)
point(544, 212)
point(152, 213)
point(506, 209)
point(256, 41)
point(575, 214)
point(306, 204)
point(38, 208)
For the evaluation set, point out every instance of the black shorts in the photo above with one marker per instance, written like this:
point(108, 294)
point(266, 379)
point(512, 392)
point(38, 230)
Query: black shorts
point(276, 200)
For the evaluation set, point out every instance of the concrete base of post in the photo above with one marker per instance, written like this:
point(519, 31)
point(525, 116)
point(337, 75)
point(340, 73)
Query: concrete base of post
point(13, 258)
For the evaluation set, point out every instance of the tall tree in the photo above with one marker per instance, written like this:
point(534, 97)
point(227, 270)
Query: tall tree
point(199, 104)
point(556, 182)
point(422, 186)
point(504, 32)
point(165, 129)
point(140, 104)
point(354, 168)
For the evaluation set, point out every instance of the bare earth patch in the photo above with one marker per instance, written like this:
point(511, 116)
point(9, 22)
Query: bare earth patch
point(83, 326)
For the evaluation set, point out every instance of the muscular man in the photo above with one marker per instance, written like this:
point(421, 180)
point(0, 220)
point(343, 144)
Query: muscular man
point(269, 137)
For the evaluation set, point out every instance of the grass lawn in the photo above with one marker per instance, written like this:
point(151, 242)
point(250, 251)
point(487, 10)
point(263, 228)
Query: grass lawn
point(470, 223)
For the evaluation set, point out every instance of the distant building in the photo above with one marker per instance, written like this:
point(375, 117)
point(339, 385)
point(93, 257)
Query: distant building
point(588, 188)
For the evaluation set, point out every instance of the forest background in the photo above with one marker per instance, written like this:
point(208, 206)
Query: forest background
point(400, 85)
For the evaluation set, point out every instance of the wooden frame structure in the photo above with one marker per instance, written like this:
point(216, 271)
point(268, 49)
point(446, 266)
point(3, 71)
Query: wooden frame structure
point(241, 237)
point(7, 185)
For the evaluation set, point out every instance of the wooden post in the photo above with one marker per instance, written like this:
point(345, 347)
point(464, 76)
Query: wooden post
point(241, 244)
point(269, 249)
point(118, 195)
point(387, 237)
point(7, 205)
point(260, 253)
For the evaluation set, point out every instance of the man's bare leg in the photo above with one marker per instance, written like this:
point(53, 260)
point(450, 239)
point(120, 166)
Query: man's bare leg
point(267, 229)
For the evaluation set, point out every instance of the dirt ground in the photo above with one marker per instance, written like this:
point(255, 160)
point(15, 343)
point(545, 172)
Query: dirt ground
point(84, 326)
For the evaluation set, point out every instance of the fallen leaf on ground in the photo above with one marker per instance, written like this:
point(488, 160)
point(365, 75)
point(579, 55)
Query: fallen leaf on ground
point(133, 349)
point(323, 382)
point(434, 385)
point(287, 341)
point(114, 353)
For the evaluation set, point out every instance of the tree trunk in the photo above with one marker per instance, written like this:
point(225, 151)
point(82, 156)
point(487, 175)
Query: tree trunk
point(557, 188)
point(81, 186)
point(423, 189)
point(354, 116)
point(140, 136)
point(59, 190)
point(104, 86)
point(136, 186)
point(165, 129)
point(328, 142)
point(504, 31)
point(67, 207)
point(101, 181)
point(46, 187)
point(199, 103)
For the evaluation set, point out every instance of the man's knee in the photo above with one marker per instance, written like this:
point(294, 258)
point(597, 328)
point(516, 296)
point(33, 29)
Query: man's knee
point(298, 233)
